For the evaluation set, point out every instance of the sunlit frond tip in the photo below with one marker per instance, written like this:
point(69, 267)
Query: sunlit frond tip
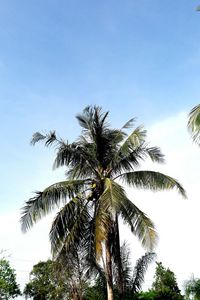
point(194, 124)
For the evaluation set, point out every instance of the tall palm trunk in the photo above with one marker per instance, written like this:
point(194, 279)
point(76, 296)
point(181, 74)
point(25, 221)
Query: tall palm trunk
point(109, 275)
point(120, 278)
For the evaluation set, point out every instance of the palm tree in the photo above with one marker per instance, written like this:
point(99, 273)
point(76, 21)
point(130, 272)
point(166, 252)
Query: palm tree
point(192, 288)
point(194, 123)
point(91, 197)
point(132, 278)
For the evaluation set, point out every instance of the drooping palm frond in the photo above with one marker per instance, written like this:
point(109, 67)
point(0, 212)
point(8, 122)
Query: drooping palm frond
point(112, 195)
point(115, 201)
point(44, 202)
point(141, 226)
point(155, 154)
point(69, 226)
point(126, 264)
point(140, 270)
point(90, 248)
point(151, 180)
point(194, 124)
point(101, 230)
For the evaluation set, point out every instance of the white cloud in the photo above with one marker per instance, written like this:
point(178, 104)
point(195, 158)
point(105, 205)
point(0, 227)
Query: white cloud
point(177, 220)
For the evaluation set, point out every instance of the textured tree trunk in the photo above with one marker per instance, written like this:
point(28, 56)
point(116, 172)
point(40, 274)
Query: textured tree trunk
point(109, 276)
point(119, 261)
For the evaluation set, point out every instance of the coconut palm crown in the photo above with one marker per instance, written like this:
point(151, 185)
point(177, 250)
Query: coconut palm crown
point(92, 198)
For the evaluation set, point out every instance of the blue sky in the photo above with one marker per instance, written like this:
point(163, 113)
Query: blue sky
point(58, 56)
point(134, 58)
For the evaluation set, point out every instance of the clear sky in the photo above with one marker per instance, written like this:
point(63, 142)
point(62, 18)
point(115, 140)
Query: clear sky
point(134, 58)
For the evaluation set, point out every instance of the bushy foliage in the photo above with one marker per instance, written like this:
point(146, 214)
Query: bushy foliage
point(164, 287)
point(192, 288)
point(45, 283)
point(68, 276)
point(97, 291)
point(8, 284)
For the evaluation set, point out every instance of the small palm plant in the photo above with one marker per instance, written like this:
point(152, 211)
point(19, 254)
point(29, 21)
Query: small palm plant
point(91, 198)
point(133, 279)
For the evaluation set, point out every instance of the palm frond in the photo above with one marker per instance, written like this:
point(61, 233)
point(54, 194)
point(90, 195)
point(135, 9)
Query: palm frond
point(111, 196)
point(140, 270)
point(115, 200)
point(80, 160)
point(155, 154)
point(128, 124)
point(126, 162)
point(44, 202)
point(126, 264)
point(49, 139)
point(141, 226)
point(102, 224)
point(152, 180)
point(121, 134)
point(91, 118)
point(194, 123)
point(69, 226)
point(134, 140)
point(107, 206)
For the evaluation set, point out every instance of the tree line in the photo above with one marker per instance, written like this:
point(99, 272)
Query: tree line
point(53, 280)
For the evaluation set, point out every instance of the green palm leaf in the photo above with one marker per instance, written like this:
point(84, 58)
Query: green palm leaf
point(111, 196)
point(126, 163)
point(44, 202)
point(80, 159)
point(69, 226)
point(115, 201)
point(101, 230)
point(140, 270)
point(139, 223)
point(151, 180)
point(194, 123)
point(49, 138)
point(132, 142)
